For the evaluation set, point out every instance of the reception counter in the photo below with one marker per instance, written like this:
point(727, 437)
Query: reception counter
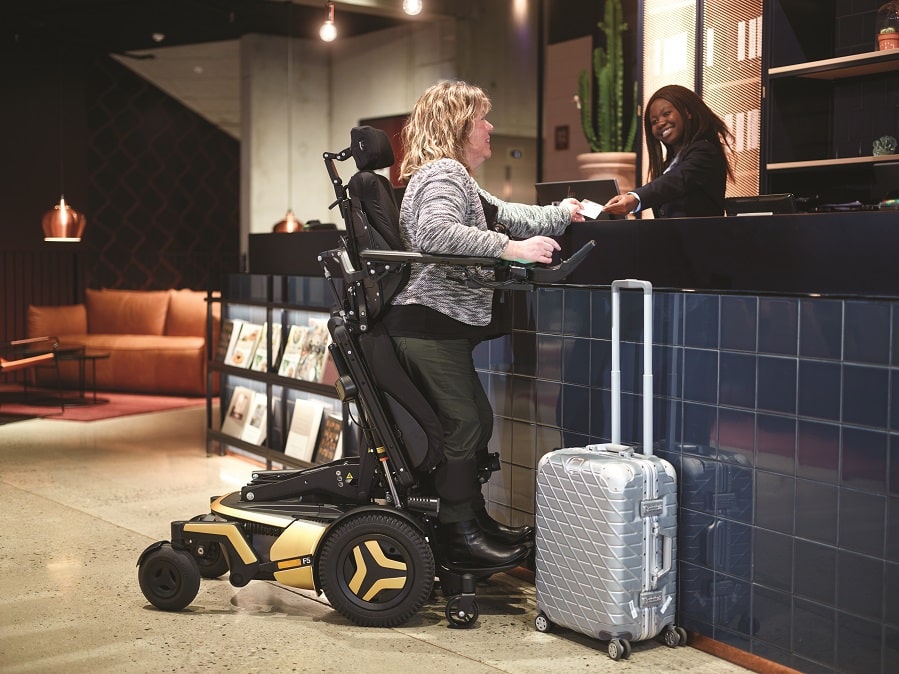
point(776, 398)
point(850, 253)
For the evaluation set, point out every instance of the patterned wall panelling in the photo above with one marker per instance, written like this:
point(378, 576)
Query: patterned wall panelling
point(164, 190)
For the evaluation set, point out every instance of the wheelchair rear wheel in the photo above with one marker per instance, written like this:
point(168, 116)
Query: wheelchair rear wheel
point(376, 569)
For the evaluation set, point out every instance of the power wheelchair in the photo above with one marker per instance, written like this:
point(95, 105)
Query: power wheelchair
point(361, 529)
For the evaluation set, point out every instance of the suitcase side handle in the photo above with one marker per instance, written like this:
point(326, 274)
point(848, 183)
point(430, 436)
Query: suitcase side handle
point(646, 287)
point(667, 558)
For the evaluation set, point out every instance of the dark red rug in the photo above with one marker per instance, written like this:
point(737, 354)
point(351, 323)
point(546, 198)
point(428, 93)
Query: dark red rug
point(16, 406)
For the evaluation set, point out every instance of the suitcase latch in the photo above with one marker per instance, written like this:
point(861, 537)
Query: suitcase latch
point(650, 599)
point(651, 508)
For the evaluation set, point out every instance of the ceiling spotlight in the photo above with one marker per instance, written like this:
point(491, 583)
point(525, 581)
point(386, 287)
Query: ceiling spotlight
point(412, 7)
point(328, 31)
point(158, 37)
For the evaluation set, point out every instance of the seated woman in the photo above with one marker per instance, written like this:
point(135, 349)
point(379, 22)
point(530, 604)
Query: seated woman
point(436, 320)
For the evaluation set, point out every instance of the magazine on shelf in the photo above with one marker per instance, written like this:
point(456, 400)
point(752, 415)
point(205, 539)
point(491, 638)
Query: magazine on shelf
point(329, 370)
point(260, 358)
point(237, 416)
point(314, 351)
point(228, 339)
point(255, 429)
point(329, 446)
point(304, 429)
point(290, 360)
point(248, 339)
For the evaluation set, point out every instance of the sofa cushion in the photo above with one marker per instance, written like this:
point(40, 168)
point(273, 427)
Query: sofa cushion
point(126, 312)
point(187, 313)
point(53, 321)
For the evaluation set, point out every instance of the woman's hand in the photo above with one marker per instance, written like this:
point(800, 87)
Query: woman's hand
point(574, 208)
point(536, 249)
point(621, 204)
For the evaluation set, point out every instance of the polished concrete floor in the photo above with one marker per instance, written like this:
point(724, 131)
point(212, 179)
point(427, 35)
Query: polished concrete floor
point(80, 501)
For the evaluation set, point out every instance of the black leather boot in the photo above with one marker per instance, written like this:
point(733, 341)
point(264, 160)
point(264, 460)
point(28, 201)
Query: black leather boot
point(502, 532)
point(465, 544)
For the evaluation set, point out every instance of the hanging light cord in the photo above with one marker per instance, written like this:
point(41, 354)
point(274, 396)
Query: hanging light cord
point(61, 151)
point(289, 108)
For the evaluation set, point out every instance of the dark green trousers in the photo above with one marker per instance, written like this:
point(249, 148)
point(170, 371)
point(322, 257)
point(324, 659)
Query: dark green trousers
point(443, 370)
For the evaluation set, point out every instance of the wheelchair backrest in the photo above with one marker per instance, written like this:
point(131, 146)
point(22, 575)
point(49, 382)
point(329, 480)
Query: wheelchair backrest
point(404, 421)
point(374, 221)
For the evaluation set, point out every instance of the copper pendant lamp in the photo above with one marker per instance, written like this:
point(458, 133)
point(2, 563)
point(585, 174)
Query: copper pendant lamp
point(62, 222)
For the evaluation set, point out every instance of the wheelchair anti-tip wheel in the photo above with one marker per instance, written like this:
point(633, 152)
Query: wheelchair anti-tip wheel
point(376, 569)
point(169, 578)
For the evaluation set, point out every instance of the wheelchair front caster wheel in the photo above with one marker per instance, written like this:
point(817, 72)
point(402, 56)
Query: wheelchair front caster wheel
point(460, 616)
point(169, 578)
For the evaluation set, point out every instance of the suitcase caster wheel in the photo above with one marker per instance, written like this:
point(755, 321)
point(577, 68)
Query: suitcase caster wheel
point(460, 616)
point(627, 648)
point(671, 638)
point(617, 649)
point(541, 622)
point(682, 633)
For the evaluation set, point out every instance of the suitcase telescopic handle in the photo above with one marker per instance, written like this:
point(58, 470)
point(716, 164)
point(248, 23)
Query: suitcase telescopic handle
point(646, 287)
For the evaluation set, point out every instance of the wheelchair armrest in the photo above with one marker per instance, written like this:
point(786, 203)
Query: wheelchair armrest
point(402, 257)
point(548, 275)
point(528, 273)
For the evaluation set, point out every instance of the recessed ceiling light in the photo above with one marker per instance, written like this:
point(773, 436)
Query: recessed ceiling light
point(412, 7)
point(158, 37)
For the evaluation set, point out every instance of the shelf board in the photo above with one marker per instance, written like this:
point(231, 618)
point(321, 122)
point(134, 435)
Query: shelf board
point(857, 65)
point(819, 163)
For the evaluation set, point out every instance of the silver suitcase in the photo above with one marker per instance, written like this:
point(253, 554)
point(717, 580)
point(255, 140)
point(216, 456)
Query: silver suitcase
point(607, 526)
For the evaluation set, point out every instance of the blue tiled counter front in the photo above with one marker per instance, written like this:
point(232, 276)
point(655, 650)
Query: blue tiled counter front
point(781, 416)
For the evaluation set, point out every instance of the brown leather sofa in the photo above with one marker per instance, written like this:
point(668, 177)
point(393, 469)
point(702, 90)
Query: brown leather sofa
point(156, 339)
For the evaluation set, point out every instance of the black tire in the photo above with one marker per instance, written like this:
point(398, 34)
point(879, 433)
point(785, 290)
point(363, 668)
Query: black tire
point(542, 623)
point(371, 550)
point(169, 578)
point(627, 649)
point(670, 637)
point(211, 559)
point(616, 649)
point(461, 620)
point(682, 633)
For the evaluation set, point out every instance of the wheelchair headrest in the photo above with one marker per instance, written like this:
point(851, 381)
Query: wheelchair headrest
point(371, 148)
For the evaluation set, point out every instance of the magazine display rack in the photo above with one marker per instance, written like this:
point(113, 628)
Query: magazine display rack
point(278, 401)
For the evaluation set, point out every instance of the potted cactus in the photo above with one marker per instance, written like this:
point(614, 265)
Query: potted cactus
point(608, 131)
point(888, 38)
point(887, 25)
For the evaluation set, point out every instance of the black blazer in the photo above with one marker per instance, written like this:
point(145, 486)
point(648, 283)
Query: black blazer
point(693, 188)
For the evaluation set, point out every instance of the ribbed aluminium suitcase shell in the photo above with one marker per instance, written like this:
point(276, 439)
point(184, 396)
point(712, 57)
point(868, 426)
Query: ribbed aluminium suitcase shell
point(607, 524)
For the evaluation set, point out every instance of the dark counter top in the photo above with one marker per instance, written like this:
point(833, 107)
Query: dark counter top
point(849, 253)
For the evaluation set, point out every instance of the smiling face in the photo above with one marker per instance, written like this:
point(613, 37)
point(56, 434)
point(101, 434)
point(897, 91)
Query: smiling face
point(477, 145)
point(667, 123)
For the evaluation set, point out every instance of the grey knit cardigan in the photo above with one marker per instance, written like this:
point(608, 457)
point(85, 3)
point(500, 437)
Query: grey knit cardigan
point(442, 214)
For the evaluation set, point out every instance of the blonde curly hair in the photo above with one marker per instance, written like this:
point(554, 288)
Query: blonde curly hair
point(440, 124)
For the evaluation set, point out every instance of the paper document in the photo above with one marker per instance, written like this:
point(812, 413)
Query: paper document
point(590, 209)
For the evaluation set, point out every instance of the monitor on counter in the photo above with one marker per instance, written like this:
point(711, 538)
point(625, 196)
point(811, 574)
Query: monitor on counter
point(763, 204)
point(597, 191)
